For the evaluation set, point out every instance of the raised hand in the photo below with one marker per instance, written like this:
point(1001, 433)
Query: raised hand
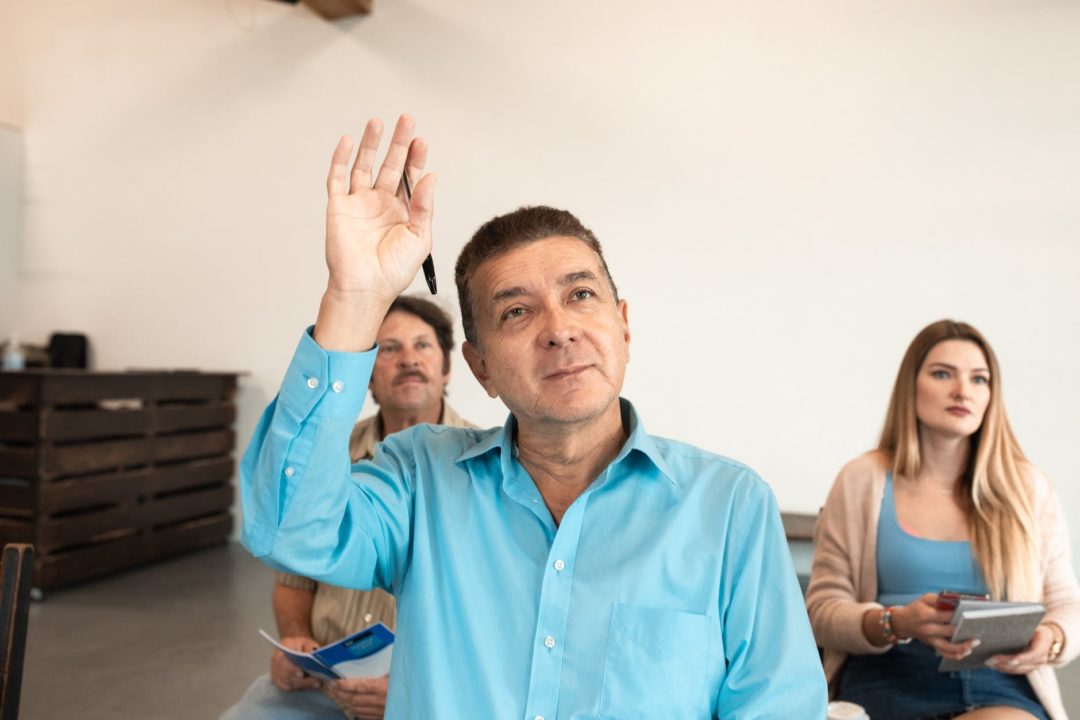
point(375, 242)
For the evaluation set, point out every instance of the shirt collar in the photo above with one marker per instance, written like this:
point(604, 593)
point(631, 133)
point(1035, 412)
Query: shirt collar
point(638, 442)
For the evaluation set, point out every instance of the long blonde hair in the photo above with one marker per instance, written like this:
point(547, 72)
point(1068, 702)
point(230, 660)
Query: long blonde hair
point(992, 490)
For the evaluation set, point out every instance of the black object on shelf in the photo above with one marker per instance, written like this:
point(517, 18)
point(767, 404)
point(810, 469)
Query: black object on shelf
point(67, 350)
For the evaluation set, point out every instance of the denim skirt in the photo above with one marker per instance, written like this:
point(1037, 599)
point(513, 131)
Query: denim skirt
point(904, 684)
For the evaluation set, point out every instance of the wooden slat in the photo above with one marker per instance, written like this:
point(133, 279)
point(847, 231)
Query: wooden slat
point(68, 387)
point(90, 490)
point(18, 426)
point(193, 445)
point(193, 386)
point(171, 418)
point(70, 425)
point(186, 506)
point(88, 527)
point(19, 531)
point(17, 497)
point(191, 474)
point(336, 9)
point(90, 561)
point(191, 535)
point(18, 462)
point(58, 461)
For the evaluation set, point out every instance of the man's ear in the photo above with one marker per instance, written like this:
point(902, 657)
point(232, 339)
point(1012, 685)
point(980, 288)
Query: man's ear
point(475, 359)
point(623, 313)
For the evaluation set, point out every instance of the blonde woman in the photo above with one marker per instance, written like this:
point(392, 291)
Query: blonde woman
point(948, 500)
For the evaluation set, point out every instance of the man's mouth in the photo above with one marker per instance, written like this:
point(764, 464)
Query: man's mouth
point(409, 378)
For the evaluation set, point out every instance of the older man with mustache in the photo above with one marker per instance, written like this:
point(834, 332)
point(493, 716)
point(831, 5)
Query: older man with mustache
point(408, 382)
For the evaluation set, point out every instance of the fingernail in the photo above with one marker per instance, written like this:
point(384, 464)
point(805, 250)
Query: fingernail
point(976, 643)
point(1014, 663)
point(991, 663)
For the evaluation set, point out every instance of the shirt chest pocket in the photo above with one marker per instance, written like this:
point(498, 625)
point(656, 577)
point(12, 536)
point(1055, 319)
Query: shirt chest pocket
point(656, 664)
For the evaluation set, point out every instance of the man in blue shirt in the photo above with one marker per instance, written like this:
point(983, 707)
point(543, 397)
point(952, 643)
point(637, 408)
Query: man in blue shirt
point(567, 565)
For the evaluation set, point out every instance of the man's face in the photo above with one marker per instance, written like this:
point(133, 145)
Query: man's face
point(553, 343)
point(408, 374)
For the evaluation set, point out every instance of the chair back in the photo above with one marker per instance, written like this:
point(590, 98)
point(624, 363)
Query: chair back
point(17, 569)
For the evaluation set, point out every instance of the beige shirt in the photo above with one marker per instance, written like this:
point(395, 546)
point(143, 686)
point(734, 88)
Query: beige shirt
point(843, 583)
point(336, 611)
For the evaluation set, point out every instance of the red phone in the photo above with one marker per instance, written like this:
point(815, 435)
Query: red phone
point(949, 599)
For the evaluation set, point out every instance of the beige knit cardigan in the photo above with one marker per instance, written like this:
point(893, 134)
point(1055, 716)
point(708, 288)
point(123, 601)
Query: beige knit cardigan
point(843, 582)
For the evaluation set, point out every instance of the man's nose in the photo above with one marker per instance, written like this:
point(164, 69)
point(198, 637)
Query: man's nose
point(408, 357)
point(561, 327)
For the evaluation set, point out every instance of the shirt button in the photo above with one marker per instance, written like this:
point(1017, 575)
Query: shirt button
point(338, 386)
point(559, 566)
point(549, 642)
point(367, 617)
point(539, 717)
point(313, 382)
point(289, 472)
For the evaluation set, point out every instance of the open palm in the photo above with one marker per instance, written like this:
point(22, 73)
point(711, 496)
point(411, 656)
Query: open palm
point(375, 242)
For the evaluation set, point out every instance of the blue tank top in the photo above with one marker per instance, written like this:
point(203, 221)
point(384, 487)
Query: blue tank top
point(909, 566)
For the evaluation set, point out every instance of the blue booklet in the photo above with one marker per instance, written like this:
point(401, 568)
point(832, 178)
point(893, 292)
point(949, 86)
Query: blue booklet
point(363, 654)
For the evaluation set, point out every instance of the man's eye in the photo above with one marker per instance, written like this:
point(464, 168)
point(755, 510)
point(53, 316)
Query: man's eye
point(583, 294)
point(513, 312)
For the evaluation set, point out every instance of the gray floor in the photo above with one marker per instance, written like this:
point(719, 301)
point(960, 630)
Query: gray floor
point(178, 639)
point(173, 640)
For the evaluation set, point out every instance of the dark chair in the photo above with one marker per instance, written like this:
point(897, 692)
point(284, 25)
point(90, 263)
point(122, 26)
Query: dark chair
point(17, 568)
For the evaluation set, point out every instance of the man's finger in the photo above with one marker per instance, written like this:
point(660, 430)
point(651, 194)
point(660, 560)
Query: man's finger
point(365, 158)
point(390, 172)
point(337, 182)
point(422, 209)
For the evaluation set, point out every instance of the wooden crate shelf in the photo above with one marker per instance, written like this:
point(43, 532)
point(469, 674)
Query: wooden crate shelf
point(104, 471)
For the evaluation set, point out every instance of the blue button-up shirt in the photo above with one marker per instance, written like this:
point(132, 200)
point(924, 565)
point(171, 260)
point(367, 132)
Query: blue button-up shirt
point(667, 590)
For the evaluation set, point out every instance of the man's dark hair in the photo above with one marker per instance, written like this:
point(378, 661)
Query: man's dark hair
point(508, 232)
point(434, 316)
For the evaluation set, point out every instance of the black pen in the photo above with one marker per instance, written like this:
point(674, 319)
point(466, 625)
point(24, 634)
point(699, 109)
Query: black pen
point(429, 264)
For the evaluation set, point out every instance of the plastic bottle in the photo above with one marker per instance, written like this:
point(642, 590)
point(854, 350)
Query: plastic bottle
point(13, 355)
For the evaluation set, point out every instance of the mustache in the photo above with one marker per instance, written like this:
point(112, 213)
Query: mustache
point(406, 374)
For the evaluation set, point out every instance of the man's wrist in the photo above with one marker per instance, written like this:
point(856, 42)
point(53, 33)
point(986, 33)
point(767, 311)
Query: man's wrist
point(349, 322)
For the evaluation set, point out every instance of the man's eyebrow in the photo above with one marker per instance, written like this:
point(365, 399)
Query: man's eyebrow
point(508, 293)
point(577, 276)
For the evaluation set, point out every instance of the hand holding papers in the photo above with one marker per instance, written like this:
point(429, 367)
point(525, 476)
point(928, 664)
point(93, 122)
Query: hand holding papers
point(363, 654)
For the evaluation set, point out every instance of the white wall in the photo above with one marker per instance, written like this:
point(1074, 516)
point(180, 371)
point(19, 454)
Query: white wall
point(787, 191)
point(11, 213)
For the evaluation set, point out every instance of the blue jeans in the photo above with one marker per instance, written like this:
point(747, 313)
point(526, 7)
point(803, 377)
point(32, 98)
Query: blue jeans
point(904, 684)
point(263, 701)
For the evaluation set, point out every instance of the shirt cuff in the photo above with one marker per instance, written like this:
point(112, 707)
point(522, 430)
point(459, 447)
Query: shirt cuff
point(326, 383)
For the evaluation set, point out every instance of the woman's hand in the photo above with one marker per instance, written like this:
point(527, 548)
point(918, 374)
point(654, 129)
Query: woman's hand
point(922, 621)
point(1035, 654)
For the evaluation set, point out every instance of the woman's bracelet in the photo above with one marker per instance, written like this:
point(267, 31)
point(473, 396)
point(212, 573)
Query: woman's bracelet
point(1058, 642)
point(887, 629)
